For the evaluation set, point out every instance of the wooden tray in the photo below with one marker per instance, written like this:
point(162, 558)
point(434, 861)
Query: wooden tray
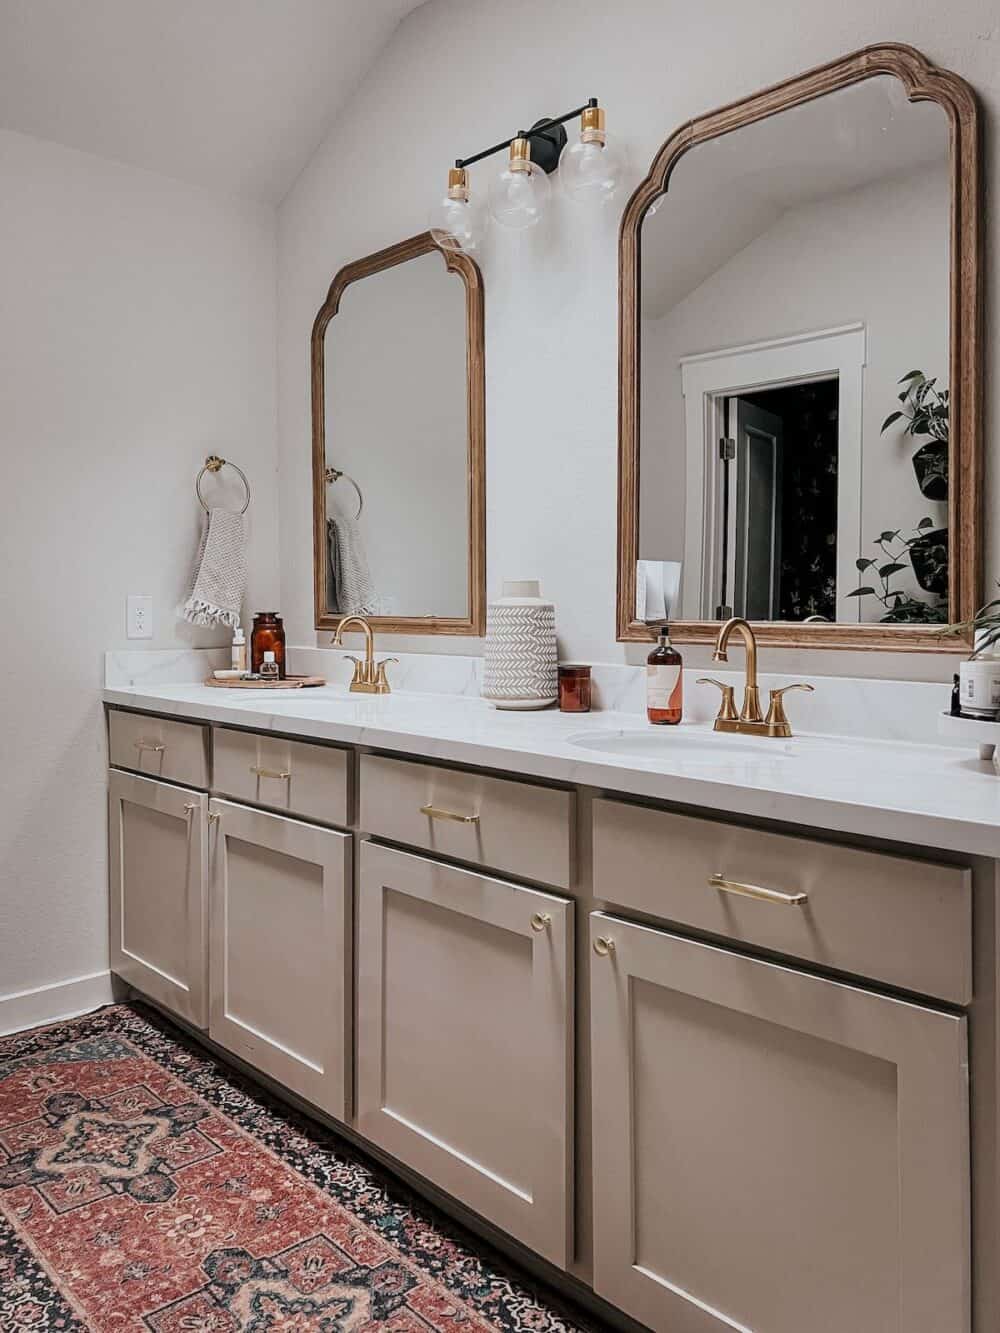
point(289, 683)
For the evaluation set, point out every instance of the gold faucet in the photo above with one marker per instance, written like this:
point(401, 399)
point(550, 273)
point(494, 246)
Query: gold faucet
point(369, 675)
point(749, 719)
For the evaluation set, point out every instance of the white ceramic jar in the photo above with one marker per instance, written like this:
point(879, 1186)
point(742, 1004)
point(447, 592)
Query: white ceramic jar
point(520, 664)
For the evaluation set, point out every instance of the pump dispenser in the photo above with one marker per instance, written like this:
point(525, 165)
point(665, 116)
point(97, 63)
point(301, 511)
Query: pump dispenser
point(664, 682)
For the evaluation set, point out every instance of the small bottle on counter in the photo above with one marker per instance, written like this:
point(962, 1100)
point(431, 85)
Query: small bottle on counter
point(664, 682)
point(239, 650)
point(269, 667)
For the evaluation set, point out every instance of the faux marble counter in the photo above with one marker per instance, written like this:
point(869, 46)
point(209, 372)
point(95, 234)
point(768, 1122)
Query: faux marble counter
point(919, 794)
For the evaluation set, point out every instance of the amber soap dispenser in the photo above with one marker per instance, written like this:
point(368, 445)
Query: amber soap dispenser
point(664, 682)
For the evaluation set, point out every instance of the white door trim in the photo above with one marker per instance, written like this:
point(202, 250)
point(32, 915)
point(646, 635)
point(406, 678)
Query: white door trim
point(798, 357)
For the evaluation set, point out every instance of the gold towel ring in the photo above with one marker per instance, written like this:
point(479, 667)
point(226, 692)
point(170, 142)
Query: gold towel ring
point(334, 474)
point(213, 463)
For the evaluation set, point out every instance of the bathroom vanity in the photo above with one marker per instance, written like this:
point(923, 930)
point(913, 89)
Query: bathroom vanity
point(695, 1027)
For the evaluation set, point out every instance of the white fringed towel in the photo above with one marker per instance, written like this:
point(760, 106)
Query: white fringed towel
point(351, 590)
point(220, 572)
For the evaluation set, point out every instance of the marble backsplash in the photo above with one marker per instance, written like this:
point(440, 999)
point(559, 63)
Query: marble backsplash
point(889, 710)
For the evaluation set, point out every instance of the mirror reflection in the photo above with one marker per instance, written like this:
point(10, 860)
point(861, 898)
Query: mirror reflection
point(794, 358)
point(397, 445)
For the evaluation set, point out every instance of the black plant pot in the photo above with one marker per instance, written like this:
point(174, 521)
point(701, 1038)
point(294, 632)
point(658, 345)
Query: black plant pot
point(929, 558)
point(930, 463)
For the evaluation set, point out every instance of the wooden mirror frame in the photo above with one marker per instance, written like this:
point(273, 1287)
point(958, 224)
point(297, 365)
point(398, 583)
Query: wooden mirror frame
point(474, 623)
point(923, 83)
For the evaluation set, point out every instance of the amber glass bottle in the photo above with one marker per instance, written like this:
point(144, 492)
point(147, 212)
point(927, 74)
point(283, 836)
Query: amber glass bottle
point(664, 683)
point(268, 636)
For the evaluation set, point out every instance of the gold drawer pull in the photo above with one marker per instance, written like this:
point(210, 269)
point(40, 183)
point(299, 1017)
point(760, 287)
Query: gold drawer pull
point(432, 812)
point(540, 921)
point(192, 805)
point(756, 891)
point(214, 817)
point(156, 746)
point(604, 945)
point(269, 772)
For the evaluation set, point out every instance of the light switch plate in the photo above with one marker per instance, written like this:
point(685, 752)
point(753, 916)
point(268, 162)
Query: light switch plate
point(138, 616)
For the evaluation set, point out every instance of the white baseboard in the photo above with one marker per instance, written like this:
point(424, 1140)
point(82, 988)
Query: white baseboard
point(49, 1004)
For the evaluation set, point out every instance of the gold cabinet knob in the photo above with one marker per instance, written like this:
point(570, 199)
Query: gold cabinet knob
point(604, 945)
point(540, 921)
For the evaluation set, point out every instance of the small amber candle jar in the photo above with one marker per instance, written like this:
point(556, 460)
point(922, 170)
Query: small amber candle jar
point(268, 636)
point(574, 688)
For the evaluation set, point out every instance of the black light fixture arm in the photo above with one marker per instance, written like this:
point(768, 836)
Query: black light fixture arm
point(545, 146)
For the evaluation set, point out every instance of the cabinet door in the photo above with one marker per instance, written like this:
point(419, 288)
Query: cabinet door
point(159, 942)
point(772, 1151)
point(465, 1038)
point(280, 950)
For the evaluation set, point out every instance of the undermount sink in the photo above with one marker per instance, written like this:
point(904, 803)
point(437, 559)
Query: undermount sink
point(707, 747)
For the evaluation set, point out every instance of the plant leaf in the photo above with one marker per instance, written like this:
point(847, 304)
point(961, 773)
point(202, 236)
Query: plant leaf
point(925, 523)
point(863, 564)
point(893, 416)
point(911, 375)
point(891, 568)
point(862, 592)
point(888, 536)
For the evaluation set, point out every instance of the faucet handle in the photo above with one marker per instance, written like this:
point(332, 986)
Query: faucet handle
point(359, 668)
point(777, 719)
point(727, 707)
point(381, 679)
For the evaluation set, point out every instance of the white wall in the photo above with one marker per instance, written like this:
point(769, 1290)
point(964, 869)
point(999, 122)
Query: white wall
point(878, 255)
point(136, 336)
point(460, 74)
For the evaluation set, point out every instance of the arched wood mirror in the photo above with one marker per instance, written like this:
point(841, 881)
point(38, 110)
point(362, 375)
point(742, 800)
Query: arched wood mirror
point(398, 443)
point(800, 359)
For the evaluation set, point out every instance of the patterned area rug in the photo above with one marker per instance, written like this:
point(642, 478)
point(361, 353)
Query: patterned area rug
point(145, 1187)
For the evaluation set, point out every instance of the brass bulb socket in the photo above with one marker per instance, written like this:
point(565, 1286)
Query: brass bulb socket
point(520, 155)
point(458, 184)
point(592, 129)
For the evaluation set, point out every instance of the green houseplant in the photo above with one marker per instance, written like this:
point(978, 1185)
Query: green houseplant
point(924, 408)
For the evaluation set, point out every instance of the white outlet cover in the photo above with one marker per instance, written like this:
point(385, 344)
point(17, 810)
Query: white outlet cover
point(138, 616)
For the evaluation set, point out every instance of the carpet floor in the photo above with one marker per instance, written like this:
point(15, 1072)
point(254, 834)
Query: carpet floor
point(145, 1186)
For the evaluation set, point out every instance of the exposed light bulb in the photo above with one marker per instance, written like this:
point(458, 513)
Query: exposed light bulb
point(519, 194)
point(458, 220)
point(592, 168)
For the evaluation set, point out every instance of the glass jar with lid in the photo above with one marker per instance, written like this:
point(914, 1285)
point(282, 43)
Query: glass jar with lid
point(268, 635)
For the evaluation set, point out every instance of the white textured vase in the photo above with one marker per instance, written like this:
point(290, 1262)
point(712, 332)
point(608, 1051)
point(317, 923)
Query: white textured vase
point(520, 662)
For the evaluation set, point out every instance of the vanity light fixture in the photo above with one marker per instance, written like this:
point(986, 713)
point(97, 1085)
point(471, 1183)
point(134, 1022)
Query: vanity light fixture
point(458, 221)
point(592, 168)
point(519, 193)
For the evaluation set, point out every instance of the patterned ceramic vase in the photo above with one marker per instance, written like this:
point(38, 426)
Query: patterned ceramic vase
point(520, 663)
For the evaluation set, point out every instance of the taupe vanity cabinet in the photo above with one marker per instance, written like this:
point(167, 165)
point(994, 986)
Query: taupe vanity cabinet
point(716, 1073)
point(772, 1150)
point(280, 950)
point(158, 850)
point(465, 1060)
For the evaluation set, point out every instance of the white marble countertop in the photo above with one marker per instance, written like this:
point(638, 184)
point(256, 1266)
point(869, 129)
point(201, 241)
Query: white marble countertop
point(923, 795)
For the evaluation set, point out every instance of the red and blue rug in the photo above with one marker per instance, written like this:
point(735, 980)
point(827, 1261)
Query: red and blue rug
point(143, 1186)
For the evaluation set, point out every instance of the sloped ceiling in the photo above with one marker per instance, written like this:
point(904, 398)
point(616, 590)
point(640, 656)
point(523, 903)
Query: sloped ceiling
point(234, 95)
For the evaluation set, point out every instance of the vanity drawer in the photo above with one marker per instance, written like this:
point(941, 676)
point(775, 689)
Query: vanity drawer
point(159, 747)
point(895, 919)
point(517, 828)
point(293, 776)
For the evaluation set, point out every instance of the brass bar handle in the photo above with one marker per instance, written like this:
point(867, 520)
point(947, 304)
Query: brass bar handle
point(540, 921)
point(157, 747)
point(757, 891)
point(604, 945)
point(432, 812)
point(269, 772)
